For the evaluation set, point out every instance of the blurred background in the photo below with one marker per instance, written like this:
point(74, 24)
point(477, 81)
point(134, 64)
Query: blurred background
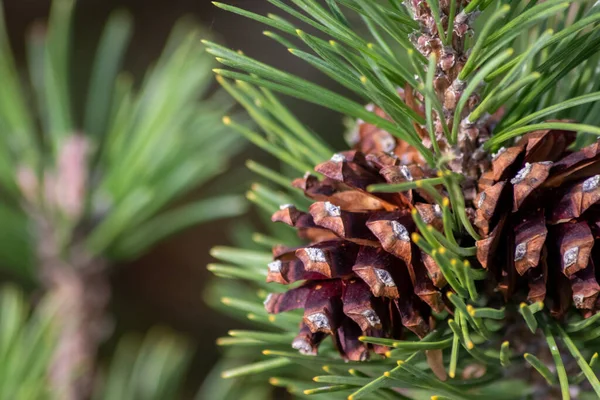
point(166, 285)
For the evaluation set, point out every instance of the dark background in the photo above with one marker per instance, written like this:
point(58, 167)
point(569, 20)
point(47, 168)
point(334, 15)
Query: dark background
point(166, 285)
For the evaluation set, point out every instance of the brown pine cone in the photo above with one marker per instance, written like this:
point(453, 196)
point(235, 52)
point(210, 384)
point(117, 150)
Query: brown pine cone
point(536, 211)
point(363, 274)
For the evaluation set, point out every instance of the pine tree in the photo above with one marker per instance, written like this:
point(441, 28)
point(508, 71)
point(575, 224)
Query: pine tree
point(457, 233)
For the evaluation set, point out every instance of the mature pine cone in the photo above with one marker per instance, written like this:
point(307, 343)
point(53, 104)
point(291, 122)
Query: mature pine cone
point(537, 213)
point(363, 275)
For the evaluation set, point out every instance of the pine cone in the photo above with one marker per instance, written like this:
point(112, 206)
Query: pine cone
point(537, 213)
point(363, 274)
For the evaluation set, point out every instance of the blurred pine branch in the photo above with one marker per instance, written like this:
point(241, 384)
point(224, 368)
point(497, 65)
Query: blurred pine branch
point(80, 193)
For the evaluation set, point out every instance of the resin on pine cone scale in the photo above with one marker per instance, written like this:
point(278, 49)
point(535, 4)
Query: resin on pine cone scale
point(538, 214)
point(363, 274)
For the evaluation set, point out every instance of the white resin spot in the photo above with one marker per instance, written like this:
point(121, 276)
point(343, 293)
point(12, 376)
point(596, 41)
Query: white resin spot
point(482, 198)
point(388, 144)
point(578, 300)
point(406, 173)
point(522, 174)
point(285, 206)
point(520, 251)
point(570, 256)
point(319, 321)
point(384, 277)
point(437, 211)
point(302, 346)
point(400, 231)
point(500, 151)
point(316, 255)
point(591, 183)
point(268, 299)
point(338, 158)
point(275, 266)
point(332, 210)
point(371, 317)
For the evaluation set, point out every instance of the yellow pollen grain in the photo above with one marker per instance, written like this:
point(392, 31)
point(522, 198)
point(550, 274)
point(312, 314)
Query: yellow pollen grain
point(442, 250)
point(452, 375)
point(419, 184)
point(332, 42)
point(453, 262)
point(470, 345)
point(299, 32)
point(523, 305)
point(226, 120)
point(226, 300)
point(415, 237)
point(316, 379)
point(272, 318)
point(440, 174)
point(400, 362)
point(370, 46)
point(273, 381)
point(387, 374)
point(326, 368)
point(266, 352)
point(388, 354)
point(445, 202)
point(363, 79)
